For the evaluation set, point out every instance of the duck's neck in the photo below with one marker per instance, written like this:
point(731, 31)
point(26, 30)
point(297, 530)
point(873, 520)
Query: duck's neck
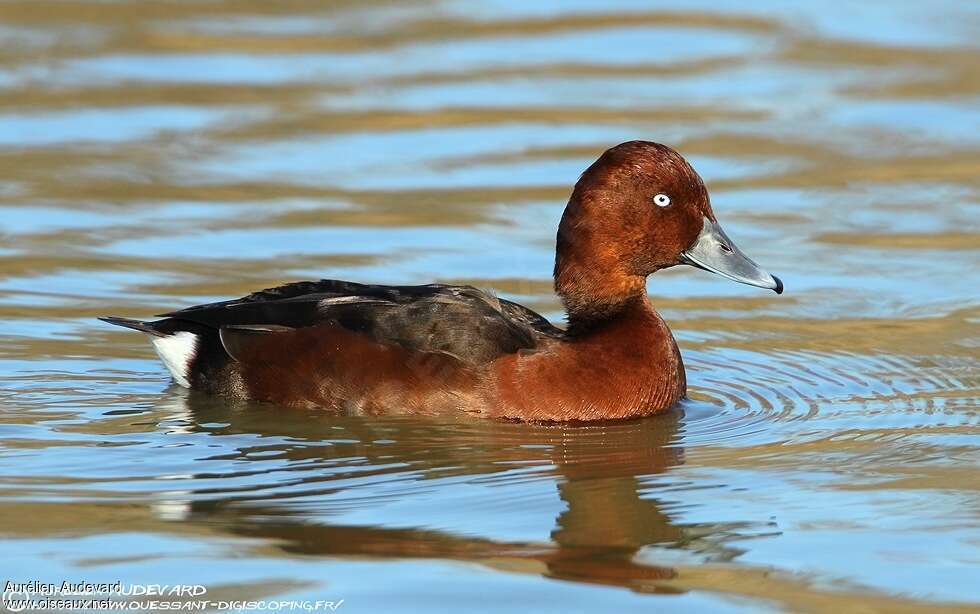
point(594, 295)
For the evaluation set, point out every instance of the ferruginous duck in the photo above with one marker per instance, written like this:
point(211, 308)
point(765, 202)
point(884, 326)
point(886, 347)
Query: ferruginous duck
point(371, 349)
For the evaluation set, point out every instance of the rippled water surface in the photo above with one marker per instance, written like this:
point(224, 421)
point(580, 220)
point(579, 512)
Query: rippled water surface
point(159, 154)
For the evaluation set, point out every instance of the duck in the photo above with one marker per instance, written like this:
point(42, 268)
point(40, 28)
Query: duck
point(368, 349)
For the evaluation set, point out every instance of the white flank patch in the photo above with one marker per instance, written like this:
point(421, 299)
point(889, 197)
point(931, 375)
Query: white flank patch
point(176, 352)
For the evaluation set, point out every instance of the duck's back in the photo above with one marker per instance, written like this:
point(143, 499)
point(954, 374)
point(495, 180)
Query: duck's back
point(213, 346)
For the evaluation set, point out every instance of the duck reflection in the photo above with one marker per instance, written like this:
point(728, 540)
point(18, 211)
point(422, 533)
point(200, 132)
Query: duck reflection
point(599, 471)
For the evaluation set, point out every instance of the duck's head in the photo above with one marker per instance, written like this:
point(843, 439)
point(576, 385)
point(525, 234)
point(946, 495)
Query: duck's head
point(638, 209)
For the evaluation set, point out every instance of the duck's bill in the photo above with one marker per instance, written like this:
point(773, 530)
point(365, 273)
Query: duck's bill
point(714, 251)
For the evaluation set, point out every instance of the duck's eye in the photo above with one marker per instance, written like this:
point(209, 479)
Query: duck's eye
point(661, 200)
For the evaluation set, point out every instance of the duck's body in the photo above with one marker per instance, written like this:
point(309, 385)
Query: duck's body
point(437, 348)
point(418, 349)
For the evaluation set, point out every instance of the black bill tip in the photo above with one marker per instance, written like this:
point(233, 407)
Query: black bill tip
point(779, 285)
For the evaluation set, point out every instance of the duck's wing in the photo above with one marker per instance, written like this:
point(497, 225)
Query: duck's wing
point(471, 325)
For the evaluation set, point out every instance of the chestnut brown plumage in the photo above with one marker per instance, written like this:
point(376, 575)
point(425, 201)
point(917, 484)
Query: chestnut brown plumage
point(437, 348)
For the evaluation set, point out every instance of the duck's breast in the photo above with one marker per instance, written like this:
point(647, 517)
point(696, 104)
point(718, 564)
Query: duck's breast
point(626, 370)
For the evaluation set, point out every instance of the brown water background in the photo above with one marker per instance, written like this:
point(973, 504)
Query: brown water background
point(159, 154)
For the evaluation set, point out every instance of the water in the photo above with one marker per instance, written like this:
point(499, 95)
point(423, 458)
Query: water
point(157, 155)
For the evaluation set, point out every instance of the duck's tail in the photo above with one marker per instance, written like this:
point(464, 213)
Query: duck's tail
point(144, 327)
point(176, 347)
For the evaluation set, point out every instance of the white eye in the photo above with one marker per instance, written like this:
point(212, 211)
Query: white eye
point(661, 200)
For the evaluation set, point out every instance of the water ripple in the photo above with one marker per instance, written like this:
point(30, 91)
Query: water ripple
point(740, 397)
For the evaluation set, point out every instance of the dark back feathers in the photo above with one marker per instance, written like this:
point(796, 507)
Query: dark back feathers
point(470, 324)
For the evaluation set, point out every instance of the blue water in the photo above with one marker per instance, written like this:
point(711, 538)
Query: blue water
point(154, 156)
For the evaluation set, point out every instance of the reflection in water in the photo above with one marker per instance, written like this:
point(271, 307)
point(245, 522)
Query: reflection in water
point(156, 155)
point(609, 515)
point(596, 538)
